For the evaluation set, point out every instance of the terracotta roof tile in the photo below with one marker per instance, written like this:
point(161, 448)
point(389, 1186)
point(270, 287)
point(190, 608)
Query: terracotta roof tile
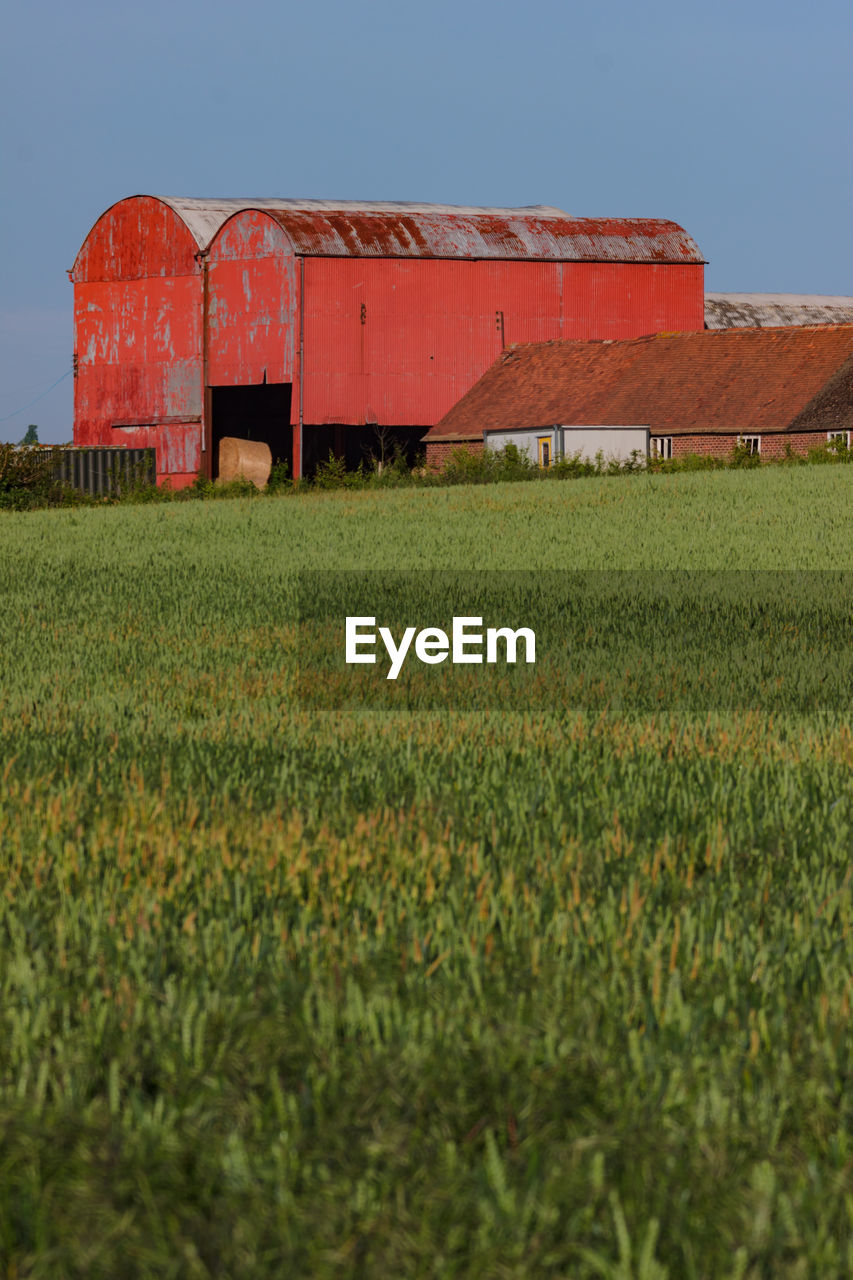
point(717, 381)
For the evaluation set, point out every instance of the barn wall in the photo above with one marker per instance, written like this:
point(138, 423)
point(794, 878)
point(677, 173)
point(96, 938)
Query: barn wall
point(138, 337)
point(138, 238)
point(627, 300)
point(399, 341)
point(774, 445)
point(395, 342)
point(613, 442)
point(252, 326)
point(139, 380)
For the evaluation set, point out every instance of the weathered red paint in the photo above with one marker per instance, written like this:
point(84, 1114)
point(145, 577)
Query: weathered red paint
point(329, 228)
point(251, 303)
point(138, 238)
point(410, 337)
point(444, 232)
point(403, 308)
point(138, 336)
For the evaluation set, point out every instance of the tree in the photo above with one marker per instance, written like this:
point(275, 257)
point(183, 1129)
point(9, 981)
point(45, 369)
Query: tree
point(32, 436)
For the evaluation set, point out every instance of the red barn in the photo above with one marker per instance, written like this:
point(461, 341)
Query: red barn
point(318, 325)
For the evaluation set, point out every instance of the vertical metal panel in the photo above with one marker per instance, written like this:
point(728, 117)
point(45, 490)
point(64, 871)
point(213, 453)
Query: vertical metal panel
point(400, 341)
point(252, 303)
point(139, 349)
point(138, 330)
point(176, 445)
point(103, 471)
point(138, 238)
point(178, 449)
point(628, 300)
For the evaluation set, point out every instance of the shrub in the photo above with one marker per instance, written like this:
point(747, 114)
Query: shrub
point(333, 474)
point(689, 462)
point(202, 487)
point(742, 456)
point(791, 457)
point(830, 451)
point(571, 467)
point(27, 477)
point(489, 466)
point(239, 487)
point(279, 477)
point(393, 474)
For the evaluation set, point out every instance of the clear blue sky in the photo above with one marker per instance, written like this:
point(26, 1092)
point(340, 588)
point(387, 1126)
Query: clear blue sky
point(734, 119)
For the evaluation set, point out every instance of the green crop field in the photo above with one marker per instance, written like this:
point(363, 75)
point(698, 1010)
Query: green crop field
point(302, 984)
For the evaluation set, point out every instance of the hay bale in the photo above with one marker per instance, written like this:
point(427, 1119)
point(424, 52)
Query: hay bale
point(248, 458)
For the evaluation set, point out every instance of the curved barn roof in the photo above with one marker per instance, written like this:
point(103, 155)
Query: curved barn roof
point(330, 228)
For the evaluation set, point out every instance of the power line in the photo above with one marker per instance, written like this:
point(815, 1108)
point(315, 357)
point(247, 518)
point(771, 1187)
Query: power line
point(23, 407)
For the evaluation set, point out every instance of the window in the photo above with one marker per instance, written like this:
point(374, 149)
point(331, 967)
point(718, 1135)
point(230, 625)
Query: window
point(752, 444)
point(838, 439)
point(661, 446)
point(544, 443)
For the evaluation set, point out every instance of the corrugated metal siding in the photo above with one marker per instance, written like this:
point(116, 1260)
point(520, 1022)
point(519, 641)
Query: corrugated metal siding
point(349, 228)
point(625, 301)
point(138, 339)
point(428, 330)
point(252, 303)
point(486, 235)
point(137, 239)
point(177, 445)
point(104, 470)
point(138, 346)
point(409, 337)
point(138, 322)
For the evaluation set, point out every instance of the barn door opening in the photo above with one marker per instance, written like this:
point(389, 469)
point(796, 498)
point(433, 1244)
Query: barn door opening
point(253, 413)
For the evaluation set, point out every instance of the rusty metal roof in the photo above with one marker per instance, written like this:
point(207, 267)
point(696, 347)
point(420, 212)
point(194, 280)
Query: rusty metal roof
point(330, 228)
point(711, 382)
point(771, 310)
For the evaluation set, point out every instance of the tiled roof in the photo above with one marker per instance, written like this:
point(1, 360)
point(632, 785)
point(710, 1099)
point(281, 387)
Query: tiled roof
point(717, 381)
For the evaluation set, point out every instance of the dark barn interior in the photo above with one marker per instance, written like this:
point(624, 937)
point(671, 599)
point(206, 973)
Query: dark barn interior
point(367, 444)
point(254, 413)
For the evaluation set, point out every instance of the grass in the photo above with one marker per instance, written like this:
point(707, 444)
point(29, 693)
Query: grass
point(558, 992)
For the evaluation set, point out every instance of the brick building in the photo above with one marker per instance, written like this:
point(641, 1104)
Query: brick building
point(773, 390)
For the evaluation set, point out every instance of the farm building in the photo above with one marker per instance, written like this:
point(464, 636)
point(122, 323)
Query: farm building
point(770, 310)
point(701, 393)
point(318, 326)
